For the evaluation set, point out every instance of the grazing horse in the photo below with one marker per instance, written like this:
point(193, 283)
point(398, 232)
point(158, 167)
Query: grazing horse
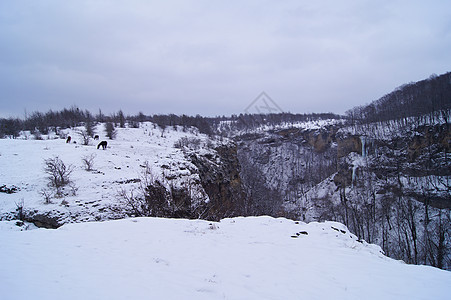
point(96, 137)
point(68, 139)
point(103, 144)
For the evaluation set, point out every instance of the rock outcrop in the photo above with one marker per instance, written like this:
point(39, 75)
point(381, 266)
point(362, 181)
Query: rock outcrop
point(50, 220)
point(347, 144)
point(220, 177)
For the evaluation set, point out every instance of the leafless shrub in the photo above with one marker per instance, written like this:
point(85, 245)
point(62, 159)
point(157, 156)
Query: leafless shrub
point(58, 171)
point(47, 195)
point(73, 189)
point(157, 197)
point(133, 124)
point(188, 142)
point(37, 135)
point(151, 198)
point(85, 137)
point(20, 209)
point(88, 161)
point(134, 202)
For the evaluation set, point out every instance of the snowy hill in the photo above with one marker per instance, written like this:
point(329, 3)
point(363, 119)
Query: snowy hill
point(238, 258)
point(94, 194)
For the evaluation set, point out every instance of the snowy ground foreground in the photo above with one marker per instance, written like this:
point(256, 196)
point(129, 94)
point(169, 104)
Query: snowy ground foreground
point(239, 258)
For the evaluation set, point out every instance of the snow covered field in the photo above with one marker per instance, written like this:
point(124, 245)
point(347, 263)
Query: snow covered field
point(96, 192)
point(239, 258)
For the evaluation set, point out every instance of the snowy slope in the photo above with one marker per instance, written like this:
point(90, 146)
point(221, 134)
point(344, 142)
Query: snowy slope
point(94, 195)
point(239, 258)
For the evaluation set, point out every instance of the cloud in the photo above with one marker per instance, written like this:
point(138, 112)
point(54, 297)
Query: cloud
point(212, 57)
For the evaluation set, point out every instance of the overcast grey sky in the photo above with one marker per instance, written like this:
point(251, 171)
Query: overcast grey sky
point(214, 57)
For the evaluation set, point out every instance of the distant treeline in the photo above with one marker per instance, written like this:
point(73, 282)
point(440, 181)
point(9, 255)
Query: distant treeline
point(427, 100)
point(43, 123)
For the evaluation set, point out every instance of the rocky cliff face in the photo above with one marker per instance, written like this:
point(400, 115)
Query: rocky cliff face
point(393, 190)
point(286, 164)
point(427, 142)
point(294, 160)
point(220, 178)
point(347, 144)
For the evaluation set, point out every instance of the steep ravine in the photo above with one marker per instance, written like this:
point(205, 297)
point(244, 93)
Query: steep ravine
point(392, 189)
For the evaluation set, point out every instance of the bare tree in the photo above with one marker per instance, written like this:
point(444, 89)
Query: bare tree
point(89, 124)
point(110, 130)
point(121, 118)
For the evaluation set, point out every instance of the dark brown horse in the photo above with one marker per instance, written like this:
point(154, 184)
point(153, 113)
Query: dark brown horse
point(103, 144)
